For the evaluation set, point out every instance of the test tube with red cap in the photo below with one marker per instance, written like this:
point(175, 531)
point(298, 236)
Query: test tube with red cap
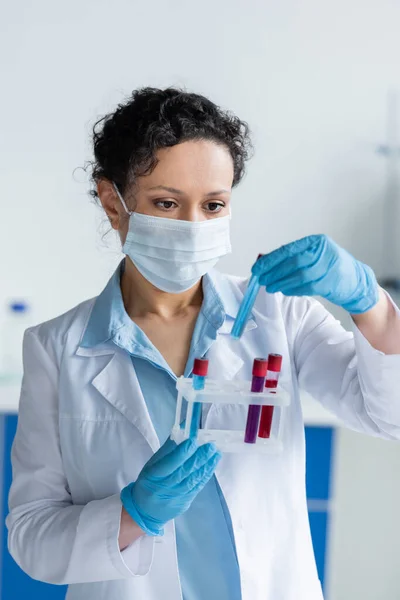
point(257, 385)
point(271, 382)
point(200, 370)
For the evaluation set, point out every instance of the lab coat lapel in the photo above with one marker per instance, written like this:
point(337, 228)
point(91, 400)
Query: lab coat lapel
point(225, 363)
point(118, 384)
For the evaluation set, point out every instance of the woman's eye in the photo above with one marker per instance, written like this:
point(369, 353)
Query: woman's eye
point(165, 204)
point(215, 206)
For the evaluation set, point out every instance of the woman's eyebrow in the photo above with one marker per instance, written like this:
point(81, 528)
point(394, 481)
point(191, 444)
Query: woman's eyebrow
point(217, 193)
point(165, 188)
point(172, 190)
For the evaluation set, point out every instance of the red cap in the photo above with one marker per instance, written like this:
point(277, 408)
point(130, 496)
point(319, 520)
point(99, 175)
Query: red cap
point(274, 362)
point(200, 367)
point(260, 366)
point(259, 256)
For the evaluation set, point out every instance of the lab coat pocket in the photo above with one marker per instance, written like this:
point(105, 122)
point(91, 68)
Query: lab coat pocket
point(103, 456)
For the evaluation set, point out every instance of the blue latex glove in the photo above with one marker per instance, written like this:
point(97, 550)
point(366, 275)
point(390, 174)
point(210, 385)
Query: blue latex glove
point(316, 266)
point(168, 483)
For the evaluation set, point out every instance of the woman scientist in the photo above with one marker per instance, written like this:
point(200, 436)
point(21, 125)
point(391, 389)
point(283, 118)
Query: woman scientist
point(102, 499)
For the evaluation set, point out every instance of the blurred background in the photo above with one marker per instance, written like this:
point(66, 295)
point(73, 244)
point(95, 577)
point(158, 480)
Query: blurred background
point(319, 84)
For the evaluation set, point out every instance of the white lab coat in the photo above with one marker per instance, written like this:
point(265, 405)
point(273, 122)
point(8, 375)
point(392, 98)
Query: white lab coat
point(84, 432)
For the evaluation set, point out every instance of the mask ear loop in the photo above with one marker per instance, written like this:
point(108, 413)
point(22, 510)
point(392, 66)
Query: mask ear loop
point(129, 212)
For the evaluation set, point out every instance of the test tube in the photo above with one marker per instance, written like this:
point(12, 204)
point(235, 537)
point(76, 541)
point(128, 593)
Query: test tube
point(200, 370)
point(246, 306)
point(257, 385)
point(271, 382)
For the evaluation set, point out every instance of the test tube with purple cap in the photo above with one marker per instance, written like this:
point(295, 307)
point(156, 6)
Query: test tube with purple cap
point(257, 385)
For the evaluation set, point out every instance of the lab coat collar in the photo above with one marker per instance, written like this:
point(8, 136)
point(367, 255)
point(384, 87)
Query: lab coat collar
point(109, 321)
point(108, 314)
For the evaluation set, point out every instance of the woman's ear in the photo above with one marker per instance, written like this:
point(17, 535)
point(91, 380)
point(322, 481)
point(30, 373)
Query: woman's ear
point(110, 202)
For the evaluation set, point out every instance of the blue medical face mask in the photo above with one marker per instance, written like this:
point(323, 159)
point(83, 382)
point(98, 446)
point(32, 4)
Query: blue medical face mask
point(171, 254)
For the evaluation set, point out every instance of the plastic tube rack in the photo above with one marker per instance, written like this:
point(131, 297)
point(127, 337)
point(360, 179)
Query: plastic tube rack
point(230, 392)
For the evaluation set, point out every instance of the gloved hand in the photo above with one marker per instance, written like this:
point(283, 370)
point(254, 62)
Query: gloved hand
point(168, 483)
point(316, 266)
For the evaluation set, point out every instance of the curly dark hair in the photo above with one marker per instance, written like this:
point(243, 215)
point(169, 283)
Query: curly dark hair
point(125, 142)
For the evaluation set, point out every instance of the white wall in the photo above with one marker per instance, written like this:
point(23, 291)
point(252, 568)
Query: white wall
point(365, 541)
point(311, 78)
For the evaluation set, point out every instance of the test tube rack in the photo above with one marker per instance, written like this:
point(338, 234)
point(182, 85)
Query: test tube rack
point(230, 392)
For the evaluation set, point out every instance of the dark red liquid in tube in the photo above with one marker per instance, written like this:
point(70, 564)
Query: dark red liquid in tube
point(271, 382)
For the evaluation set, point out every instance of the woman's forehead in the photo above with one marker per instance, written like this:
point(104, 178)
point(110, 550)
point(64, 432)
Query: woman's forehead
point(191, 164)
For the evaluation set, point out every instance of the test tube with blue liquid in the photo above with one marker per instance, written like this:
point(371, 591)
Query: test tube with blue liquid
point(246, 306)
point(200, 370)
point(260, 367)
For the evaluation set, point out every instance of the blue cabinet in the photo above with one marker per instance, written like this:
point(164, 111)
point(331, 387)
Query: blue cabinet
point(319, 531)
point(319, 453)
point(14, 583)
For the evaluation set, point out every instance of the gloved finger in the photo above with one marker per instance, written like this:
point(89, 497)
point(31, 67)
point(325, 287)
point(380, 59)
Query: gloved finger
point(312, 274)
point(269, 261)
point(172, 461)
point(290, 266)
point(202, 475)
point(202, 455)
point(165, 449)
point(307, 289)
point(197, 488)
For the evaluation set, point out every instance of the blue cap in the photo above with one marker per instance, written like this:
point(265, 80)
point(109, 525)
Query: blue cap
point(19, 307)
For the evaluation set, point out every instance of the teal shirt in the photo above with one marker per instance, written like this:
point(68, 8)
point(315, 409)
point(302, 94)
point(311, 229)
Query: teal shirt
point(207, 560)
